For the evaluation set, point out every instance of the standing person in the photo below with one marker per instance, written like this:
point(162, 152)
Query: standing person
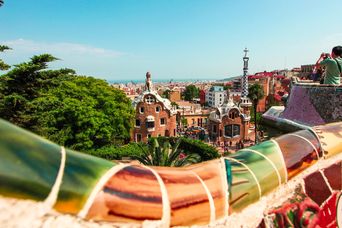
point(332, 64)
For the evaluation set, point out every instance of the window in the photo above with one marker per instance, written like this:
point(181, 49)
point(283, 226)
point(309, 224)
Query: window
point(149, 99)
point(214, 129)
point(193, 121)
point(137, 123)
point(149, 136)
point(162, 121)
point(141, 110)
point(138, 137)
point(149, 124)
point(157, 109)
point(232, 130)
point(233, 114)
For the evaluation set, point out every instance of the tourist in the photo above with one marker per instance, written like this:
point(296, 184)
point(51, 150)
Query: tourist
point(332, 64)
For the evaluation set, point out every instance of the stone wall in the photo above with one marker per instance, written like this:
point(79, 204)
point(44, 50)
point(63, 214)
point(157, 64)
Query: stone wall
point(312, 104)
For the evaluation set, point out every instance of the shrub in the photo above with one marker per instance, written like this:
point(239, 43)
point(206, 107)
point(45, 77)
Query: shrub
point(189, 146)
point(118, 152)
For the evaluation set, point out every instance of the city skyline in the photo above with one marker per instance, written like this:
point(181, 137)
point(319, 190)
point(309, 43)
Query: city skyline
point(116, 40)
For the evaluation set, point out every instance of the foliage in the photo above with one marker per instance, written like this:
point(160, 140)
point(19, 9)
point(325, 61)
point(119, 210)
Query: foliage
point(184, 121)
point(227, 87)
point(75, 111)
point(166, 94)
point(206, 151)
point(191, 92)
point(174, 104)
point(111, 152)
point(272, 102)
point(258, 117)
point(255, 93)
point(3, 65)
point(1, 2)
point(166, 155)
point(188, 146)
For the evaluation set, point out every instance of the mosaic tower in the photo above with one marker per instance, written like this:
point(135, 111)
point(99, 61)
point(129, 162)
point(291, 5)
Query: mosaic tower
point(245, 77)
point(245, 103)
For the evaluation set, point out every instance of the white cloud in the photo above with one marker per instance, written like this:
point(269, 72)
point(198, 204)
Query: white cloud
point(61, 49)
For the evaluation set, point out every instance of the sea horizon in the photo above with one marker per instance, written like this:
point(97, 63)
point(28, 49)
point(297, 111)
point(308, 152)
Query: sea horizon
point(125, 81)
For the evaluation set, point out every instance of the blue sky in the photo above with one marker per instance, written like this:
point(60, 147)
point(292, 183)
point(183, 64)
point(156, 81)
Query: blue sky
point(179, 39)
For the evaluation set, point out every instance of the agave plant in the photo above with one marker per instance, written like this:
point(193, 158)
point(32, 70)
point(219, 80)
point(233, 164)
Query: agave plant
point(166, 155)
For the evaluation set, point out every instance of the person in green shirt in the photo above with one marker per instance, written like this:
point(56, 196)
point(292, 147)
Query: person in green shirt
point(332, 64)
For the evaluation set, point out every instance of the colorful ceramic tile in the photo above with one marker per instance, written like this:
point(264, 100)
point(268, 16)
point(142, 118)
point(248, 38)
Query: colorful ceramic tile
point(334, 176)
point(211, 174)
point(298, 211)
point(328, 213)
point(131, 195)
point(330, 136)
point(316, 188)
point(28, 164)
point(298, 153)
point(271, 151)
point(244, 189)
point(188, 198)
point(81, 174)
point(265, 171)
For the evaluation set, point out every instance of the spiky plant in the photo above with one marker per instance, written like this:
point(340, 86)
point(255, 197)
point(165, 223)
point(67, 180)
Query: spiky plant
point(166, 155)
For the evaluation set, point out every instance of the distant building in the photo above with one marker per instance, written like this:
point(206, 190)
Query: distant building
point(202, 96)
point(306, 70)
point(192, 115)
point(229, 123)
point(175, 95)
point(236, 84)
point(215, 96)
point(271, 84)
point(154, 115)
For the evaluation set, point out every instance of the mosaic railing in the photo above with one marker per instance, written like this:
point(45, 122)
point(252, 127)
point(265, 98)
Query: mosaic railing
point(100, 190)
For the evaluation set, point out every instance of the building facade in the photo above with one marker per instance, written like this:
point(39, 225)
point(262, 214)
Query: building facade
point(229, 123)
point(154, 115)
point(216, 96)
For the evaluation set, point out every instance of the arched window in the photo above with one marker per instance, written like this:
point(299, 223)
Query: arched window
point(232, 130)
point(233, 114)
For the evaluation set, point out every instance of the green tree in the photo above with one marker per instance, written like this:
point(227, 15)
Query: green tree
point(166, 94)
point(255, 93)
point(3, 65)
point(191, 92)
point(166, 155)
point(114, 152)
point(75, 111)
point(174, 104)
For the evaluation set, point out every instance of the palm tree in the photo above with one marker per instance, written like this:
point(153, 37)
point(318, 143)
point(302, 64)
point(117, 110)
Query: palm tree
point(255, 93)
point(166, 155)
point(1, 2)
